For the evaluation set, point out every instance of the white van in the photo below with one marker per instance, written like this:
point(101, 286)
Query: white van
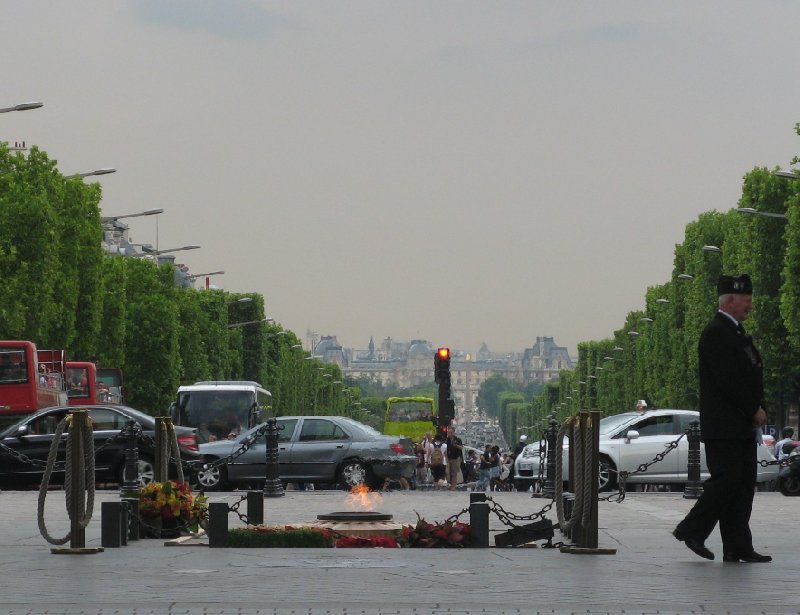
point(220, 409)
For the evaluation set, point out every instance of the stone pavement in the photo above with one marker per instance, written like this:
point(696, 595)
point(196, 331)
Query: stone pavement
point(651, 572)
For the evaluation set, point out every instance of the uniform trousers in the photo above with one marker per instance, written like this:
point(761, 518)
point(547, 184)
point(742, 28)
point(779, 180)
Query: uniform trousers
point(727, 496)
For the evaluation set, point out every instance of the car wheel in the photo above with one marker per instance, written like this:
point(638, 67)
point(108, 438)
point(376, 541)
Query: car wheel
point(146, 472)
point(608, 475)
point(789, 485)
point(522, 485)
point(352, 473)
point(211, 478)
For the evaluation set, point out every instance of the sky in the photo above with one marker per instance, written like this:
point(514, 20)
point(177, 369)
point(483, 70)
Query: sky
point(460, 172)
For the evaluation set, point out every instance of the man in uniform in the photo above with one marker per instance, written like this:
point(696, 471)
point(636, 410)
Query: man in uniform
point(731, 412)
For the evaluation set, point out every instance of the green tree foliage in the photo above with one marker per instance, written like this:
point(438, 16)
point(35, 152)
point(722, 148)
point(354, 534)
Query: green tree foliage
point(488, 395)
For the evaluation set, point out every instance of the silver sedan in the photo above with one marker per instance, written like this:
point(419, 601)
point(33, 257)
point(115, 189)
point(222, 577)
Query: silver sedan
point(314, 449)
point(630, 439)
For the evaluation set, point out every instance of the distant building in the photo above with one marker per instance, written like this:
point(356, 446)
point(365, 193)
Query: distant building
point(408, 364)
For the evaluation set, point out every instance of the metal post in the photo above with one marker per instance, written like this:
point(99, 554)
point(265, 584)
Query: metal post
point(549, 489)
point(77, 499)
point(479, 520)
point(160, 464)
point(255, 507)
point(218, 524)
point(694, 488)
point(111, 529)
point(273, 487)
point(130, 480)
point(591, 531)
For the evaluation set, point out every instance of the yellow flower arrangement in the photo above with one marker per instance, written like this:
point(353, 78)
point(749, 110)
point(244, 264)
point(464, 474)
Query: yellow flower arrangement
point(172, 500)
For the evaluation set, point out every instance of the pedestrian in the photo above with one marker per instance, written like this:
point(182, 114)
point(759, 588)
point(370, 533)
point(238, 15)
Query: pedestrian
point(781, 447)
point(437, 460)
point(454, 453)
point(483, 468)
point(422, 466)
point(731, 413)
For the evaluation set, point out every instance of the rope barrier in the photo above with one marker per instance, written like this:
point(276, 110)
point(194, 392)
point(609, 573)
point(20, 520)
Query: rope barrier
point(82, 439)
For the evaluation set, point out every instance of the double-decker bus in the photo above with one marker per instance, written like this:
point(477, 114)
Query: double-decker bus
point(29, 379)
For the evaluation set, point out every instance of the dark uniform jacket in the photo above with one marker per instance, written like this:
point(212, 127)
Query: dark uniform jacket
point(731, 381)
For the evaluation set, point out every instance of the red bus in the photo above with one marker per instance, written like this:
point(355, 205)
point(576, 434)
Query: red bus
point(29, 379)
point(81, 383)
point(110, 386)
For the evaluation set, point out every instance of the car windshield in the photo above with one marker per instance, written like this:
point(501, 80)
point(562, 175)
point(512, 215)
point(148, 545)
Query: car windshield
point(610, 423)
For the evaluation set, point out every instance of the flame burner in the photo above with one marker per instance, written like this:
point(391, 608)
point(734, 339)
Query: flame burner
point(355, 516)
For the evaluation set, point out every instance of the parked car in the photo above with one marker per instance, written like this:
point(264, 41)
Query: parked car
point(630, 439)
point(33, 435)
point(315, 449)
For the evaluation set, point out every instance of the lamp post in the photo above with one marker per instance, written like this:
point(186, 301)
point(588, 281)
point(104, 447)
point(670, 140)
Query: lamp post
point(147, 212)
point(192, 277)
point(249, 322)
point(160, 252)
point(762, 214)
point(105, 171)
point(26, 106)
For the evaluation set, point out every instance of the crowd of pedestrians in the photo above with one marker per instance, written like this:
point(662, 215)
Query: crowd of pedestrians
point(444, 462)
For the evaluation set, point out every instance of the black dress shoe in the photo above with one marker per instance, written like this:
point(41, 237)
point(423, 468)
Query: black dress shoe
point(750, 558)
point(694, 544)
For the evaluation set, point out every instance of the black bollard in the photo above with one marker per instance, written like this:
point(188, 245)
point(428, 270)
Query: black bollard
point(130, 481)
point(479, 522)
point(273, 487)
point(255, 507)
point(217, 524)
point(111, 527)
point(549, 489)
point(694, 488)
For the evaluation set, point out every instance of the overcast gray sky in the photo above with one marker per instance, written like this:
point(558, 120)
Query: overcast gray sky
point(462, 172)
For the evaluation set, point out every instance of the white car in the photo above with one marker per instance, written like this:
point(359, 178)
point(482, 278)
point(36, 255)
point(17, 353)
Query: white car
point(630, 439)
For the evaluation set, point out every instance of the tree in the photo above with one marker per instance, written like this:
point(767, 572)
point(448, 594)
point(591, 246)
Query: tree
point(488, 395)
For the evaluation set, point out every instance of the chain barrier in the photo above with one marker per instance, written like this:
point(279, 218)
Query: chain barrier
point(83, 434)
point(245, 446)
point(56, 465)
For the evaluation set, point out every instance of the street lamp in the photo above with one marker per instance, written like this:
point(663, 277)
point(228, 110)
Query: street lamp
point(147, 212)
point(239, 300)
point(786, 174)
point(763, 214)
point(194, 276)
point(645, 319)
point(662, 300)
point(159, 252)
point(249, 322)
point(26, 106)
point(712, 249)
point(105, 171)
point(685, 276)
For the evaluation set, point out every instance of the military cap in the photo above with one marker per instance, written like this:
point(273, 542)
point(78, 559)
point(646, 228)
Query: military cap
point(735, 285)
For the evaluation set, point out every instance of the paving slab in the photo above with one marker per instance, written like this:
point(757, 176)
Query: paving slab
point(650, 572)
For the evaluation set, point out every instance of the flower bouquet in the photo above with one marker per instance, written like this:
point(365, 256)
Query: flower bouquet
point(171, 505)
point(446, 534)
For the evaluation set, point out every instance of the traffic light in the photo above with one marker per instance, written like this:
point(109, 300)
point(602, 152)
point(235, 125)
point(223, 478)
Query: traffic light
point(441, 365)
point(447, 412)
point(441, 374)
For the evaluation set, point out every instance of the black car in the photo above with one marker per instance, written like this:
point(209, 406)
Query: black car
point(33, 435)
